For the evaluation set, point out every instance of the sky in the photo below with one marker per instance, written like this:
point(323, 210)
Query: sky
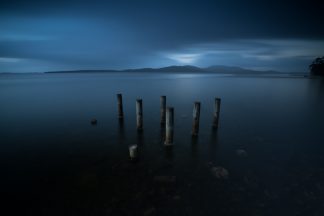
point(40, 35)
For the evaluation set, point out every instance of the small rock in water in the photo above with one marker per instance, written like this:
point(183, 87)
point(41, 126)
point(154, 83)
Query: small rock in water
point(133, 151)
point(94, 121)
point(220, 172)
point(241, 153)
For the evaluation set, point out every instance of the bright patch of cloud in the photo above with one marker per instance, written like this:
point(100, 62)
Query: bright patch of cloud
point(184, 58)
point(276, 54)
point(9, 60)
point(24, 37)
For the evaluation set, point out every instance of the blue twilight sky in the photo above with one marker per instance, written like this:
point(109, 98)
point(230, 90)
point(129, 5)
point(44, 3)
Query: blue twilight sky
point(39, 35)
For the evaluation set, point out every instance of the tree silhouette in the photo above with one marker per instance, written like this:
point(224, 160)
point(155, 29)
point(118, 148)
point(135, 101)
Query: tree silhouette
point(317, 67)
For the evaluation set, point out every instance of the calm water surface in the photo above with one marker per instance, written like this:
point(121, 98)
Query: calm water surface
point(54, 162)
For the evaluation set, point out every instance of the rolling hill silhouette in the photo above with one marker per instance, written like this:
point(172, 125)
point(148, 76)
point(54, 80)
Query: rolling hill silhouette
point(181, 69)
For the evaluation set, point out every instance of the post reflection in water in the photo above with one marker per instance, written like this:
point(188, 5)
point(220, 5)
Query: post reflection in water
point(194, 147)
point(140, 137)
point(168, 152)
point(121, 130)
point(213, 144)
point(162, 133)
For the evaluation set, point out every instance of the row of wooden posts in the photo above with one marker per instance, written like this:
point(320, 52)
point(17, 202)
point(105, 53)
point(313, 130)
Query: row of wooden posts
point(167, 116)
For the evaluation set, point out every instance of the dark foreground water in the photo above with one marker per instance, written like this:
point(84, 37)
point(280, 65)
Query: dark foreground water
point(54, 162)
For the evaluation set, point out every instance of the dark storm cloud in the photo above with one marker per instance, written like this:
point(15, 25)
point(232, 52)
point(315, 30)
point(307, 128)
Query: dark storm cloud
point(122, 34)
point(205, 19)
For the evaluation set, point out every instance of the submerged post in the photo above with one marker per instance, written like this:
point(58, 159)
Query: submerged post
point(196, 116)
point(120, 106)
point(169, 126)
point(216, 112)
point(133, 152)
point(139, 114)
point(163, 109)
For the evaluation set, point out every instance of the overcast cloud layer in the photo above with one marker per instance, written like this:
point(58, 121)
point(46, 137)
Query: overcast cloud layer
point(37, 36)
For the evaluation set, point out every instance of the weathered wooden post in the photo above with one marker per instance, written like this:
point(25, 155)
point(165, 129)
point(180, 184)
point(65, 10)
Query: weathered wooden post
point(139, 114)
point(196, 116)
point(216, 112)
point(133, 152)
point(120, 106)
point(163, 109)
point(169, 124)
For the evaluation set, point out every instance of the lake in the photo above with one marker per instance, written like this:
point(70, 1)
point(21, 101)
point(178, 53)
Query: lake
point(55, 162)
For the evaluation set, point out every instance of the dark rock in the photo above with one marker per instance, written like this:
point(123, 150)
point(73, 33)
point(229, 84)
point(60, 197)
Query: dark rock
point(94, 121)
point(220, 172)
point(241, 153)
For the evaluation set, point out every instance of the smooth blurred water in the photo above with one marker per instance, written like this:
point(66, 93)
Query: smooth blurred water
point(54, 162)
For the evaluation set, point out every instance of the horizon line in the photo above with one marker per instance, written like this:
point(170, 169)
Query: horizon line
point(157, 68)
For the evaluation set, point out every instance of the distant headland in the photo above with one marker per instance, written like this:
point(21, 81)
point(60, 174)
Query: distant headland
point(183, 69)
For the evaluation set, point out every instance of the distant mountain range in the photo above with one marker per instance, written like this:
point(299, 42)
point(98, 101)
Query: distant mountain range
point(182, 69)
